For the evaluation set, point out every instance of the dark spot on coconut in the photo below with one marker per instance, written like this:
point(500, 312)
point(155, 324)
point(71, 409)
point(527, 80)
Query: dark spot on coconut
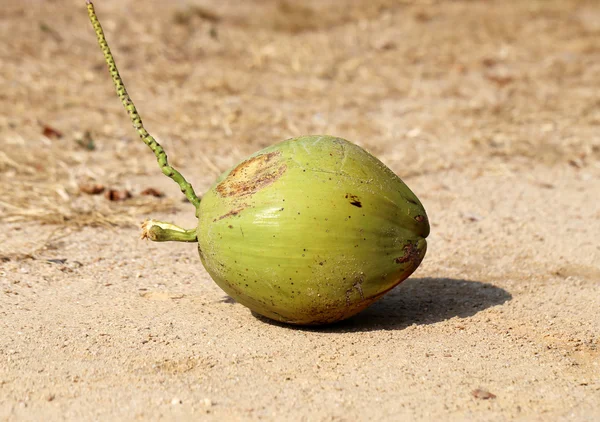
point(252, 175)
point(412, 201)
point(411, 254)
point(354, 200)
point(231, 213)
point(420, 218)
point(230, 226)
point(358, 286)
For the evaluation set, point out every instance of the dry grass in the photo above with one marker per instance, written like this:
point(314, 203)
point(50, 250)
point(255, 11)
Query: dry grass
point(44, 185)
point(425, 85)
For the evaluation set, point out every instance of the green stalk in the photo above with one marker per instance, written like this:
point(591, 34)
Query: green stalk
point(161, 156)
point(159, 231)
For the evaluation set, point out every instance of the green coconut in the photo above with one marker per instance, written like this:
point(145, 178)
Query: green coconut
point(308, 231)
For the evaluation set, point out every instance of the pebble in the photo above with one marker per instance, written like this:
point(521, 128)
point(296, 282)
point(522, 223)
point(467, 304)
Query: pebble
point(482, 394)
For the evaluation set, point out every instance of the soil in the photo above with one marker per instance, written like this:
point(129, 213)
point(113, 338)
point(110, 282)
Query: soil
point(488, 110)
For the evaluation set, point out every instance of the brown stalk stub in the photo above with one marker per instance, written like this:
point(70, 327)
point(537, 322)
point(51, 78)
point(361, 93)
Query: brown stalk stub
point(252, 175)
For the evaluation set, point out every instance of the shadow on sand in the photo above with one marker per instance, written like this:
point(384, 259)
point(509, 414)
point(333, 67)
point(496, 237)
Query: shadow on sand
point(418, 301)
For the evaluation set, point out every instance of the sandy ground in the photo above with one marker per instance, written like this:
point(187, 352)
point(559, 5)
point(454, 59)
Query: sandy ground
point(490, 112)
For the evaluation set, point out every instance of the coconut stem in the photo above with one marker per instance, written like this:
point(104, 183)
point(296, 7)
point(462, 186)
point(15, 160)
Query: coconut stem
point(159, 231)
point(161, 156)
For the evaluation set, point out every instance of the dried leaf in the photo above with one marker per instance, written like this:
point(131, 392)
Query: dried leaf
point(482, 394)
point(92, 188)
point(152, 192)
point(117, 195)
point(500, 80)
point(51, 133)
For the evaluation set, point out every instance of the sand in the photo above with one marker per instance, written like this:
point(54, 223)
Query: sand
point(488, 110)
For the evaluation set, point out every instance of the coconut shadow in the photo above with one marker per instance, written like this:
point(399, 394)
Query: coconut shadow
point(420, 301)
